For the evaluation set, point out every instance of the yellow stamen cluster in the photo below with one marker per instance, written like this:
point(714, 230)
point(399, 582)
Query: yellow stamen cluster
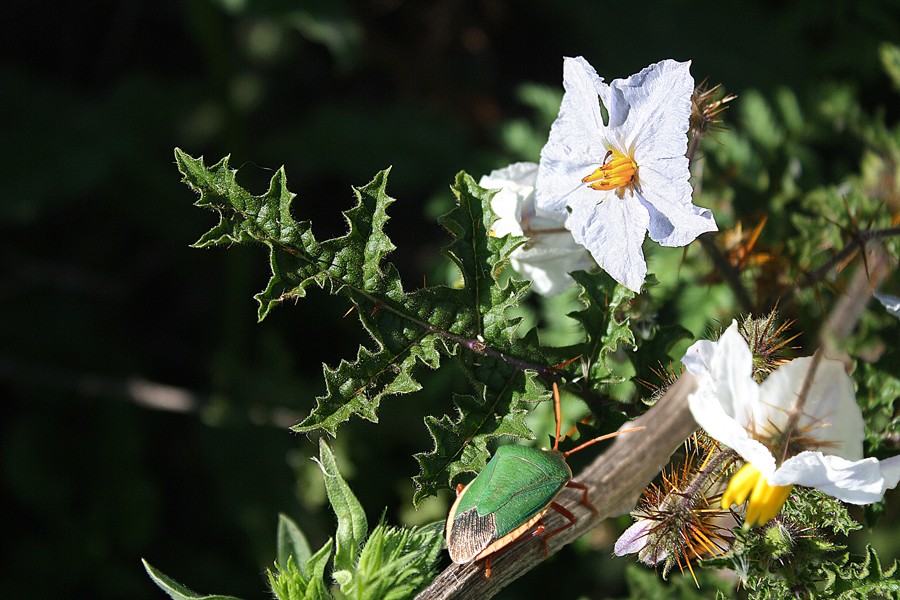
point(765, 501)
point(616, 172)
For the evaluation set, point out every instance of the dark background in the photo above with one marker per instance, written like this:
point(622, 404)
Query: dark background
point(145, 410)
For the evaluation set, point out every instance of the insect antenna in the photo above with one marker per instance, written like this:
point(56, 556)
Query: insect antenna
point(600, 439)
point(558, 413)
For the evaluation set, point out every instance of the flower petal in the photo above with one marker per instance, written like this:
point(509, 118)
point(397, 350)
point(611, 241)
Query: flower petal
point(613, 230)
point(856, 482)
point(890, 303)
point(652, 109)
point(830, 414)
point(726, 394)
point(548, 260)
point(698, 358)
point(732, 369)
point(673, 222)
point(890, 470)
point(514, 198)
point(709, 414)
point(576, 143)
point(633, 539)
point(650, 113)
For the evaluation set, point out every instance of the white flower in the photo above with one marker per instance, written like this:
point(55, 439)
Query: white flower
point(550, 253)
point(817, 444)
point(891, 303)
point(626, 176)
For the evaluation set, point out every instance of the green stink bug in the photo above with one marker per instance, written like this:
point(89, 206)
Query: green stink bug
point(510, 496)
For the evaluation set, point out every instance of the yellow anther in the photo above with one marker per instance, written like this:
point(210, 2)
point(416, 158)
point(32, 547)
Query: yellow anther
point(765, 500)
point(616, 172)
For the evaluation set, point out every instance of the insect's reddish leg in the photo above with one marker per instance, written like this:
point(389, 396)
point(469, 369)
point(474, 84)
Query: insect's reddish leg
point(564, 512)
point(539, 529)
point(584, 495)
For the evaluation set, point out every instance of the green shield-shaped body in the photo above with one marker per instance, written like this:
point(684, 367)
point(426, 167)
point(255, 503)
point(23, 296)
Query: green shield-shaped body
point(504, 500)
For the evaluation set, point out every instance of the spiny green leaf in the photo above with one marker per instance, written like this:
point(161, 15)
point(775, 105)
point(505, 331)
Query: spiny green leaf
point(809, 505)
point(175, 590)
point(352, 526)
point(505, 389)
point(480, 257)
point(460, 445)
point(865, 578)
point(296, 257)
point(409, 329)
point(605, 324)
point(291, 542)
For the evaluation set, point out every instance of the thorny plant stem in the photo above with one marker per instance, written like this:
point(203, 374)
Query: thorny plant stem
point(706, 476)
point(797, 410)
point(731, 276)
point(860, 239)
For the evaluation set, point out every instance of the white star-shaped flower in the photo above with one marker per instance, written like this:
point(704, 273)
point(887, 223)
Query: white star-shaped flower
point(551, 252)
point(817, 444)
point(624, 176)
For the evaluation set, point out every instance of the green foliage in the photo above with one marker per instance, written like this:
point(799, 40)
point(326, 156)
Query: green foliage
point(797, 554)
point(461, 443)
point(879, 388)
point(822, 209)
point(395, 563)
point(391, 563)
point(388, 563)
point(291, 544)
point(175, 590)
point(863, 578)
point(645, 584)
point(890, 60)
point(352, 526)
point(471, 323)
point(606, 325)
point(289, 582)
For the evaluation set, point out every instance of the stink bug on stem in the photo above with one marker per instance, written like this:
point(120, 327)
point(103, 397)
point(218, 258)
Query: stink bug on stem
point(509, 498)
